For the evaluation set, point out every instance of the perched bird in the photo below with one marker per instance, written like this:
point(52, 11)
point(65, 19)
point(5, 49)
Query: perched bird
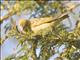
point(33, 25)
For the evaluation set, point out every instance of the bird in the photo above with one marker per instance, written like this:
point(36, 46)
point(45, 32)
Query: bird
point(33, 25)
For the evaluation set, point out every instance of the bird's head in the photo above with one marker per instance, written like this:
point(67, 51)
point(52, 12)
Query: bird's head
point(22, 22)
point(24, 25)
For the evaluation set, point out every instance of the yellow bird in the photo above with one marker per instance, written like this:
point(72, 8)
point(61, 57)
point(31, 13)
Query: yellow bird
point(34, 24)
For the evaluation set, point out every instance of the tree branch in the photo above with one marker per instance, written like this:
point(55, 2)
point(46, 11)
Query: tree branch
point(14, 10)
